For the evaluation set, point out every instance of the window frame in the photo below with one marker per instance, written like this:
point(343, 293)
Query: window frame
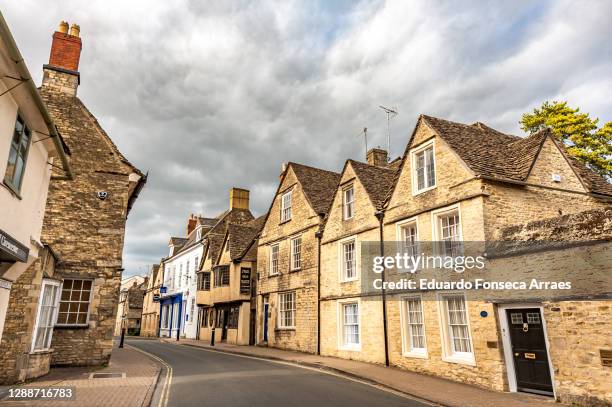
point(286, 209)
point(408, 350)
point(413, 164)
point(401, 244)
point(448, 353)
point(436, 217)
point(341, 259)
point(86, 323)
point(271, 270)
point(9, 182)
point(342, 345)
point(293, 310)
point(53, 317)
point(346, 204)
point(292, 265)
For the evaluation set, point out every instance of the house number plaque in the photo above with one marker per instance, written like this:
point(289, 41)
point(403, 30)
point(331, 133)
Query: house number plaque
point(530, 356)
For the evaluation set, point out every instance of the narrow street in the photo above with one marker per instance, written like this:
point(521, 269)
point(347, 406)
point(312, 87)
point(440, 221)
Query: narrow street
point(202, 377)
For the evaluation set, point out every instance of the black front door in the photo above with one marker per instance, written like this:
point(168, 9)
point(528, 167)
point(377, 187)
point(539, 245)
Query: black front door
point(225, 323)
point(529, 351)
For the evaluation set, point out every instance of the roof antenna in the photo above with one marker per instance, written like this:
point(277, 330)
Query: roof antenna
point(390, 113)
point(365, 136)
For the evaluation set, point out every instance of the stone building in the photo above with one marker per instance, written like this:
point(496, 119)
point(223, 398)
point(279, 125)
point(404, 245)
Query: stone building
point(29, 141)
point(355, 217)
point(84, 224)
point(126, 285)
point(150, 306)
point(287, 259)
point(129, 310)
point(226, 291)
point(467, 183)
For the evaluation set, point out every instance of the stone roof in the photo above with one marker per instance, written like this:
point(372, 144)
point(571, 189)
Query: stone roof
point(491, 153)
point(214, 238)
point(135, 295)
point(319, 185)
point(177, 242)
point(241, 236)
point(377, 181)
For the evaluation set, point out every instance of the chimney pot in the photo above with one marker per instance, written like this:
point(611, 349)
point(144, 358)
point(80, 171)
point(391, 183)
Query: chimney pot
point(239, 198)
point(75, 30)
point(377, 157)
point(63, 27)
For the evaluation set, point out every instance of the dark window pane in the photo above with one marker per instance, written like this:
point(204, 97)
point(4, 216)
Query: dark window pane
point(82, 319)
point(67, 284)
point(87, 285)
point(72, 319)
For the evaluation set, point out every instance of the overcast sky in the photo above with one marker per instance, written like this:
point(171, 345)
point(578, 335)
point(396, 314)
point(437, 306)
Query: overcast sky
point(206, 96)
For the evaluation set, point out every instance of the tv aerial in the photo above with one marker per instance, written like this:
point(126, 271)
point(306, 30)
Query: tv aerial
point(390, 112)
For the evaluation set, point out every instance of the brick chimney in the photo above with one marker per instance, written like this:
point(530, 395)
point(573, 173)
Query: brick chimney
point(239, 198)
point(192, 223)
point(377, 157)
point(62, 71)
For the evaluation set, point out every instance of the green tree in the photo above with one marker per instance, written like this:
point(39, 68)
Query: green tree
point(577, 131)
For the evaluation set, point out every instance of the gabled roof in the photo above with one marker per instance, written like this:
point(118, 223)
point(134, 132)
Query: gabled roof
point(491, 153)
point(177, 242)
point(377, 181)
point(213, 240)
point(239, 237)
point(319, 185)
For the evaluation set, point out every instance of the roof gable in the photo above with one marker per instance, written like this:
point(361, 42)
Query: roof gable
point(377, 181)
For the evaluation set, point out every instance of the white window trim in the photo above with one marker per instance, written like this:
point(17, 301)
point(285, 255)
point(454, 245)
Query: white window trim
point(58, 286)
point(88, 308)
point(413, 153)
point(341, 243)
point(463, 358)
point(282, 207)
point(270, 273)
point(278, 314)
point(344, 202)
point(435, 218)
point(340, 325)
point(406, 349)
point(400, 238)
point(291, 239)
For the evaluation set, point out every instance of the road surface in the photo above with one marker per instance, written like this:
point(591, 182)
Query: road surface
point(207, 378)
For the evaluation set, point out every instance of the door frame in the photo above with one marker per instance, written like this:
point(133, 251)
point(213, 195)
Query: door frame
point(507, 343)
point(266, 321)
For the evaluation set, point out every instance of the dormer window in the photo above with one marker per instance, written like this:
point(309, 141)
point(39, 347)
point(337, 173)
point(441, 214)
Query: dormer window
point(348, 202)
point(424, 168)
point(198, 233)
point(286, 206)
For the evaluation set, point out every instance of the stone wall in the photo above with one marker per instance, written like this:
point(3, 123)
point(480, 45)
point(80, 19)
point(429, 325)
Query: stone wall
point(304, 222)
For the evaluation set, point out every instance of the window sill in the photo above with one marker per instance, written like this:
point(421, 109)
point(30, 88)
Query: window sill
point(350, 348)
point(416, 354)
point(351, 280)
point(12, 190)
point(76, 326)
point(289, 328)
point(282, 222)
point(42, 351)
point(274, 275)
point(420, 191)
point(460, 359)
point(295, 270)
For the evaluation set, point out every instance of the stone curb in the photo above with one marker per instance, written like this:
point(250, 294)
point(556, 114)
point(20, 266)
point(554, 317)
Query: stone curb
point(316, 366)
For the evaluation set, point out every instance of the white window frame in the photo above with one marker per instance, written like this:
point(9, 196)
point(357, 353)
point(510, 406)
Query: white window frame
point(342, 345)
point(54, 310)
point(413, 167)
point(286, 208)
point(292, 253)
point(271, 271)
point(348, 204)
point(165, 319)
point(86, 323)
point(341, 263)
point(407, 348)
point(293, 310)
point(399, 231)
point(175, 317)
point(448, 354)
point(436, 217)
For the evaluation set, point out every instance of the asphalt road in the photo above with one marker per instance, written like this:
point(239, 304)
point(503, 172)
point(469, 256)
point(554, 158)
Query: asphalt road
point(207, 378)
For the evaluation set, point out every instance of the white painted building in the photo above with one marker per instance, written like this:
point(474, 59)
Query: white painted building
point(29, 148)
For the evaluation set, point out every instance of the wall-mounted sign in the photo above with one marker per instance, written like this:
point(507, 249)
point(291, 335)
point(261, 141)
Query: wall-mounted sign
point(162, 290)
point(245, 280)
point(155, 297)
point(11, 249)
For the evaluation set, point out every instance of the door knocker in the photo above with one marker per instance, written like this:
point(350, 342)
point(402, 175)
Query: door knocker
point(525, 327)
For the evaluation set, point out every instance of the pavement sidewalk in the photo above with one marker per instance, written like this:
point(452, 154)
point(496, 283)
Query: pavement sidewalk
point(133, 388)
point(433, 389)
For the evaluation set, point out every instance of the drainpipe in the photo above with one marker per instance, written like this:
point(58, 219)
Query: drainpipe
point(26, 79)
point(380, 216)
point(318, 235)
